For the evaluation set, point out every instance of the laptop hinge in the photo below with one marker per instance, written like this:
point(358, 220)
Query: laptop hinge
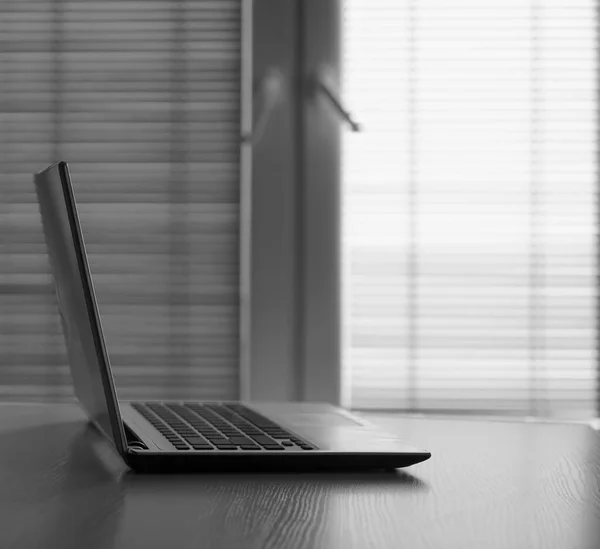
point(133, 441)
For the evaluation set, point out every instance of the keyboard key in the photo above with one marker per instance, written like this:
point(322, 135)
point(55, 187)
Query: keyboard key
point(195, 440)
point(216, 437)
point(222, 446)
point(263, 439)
point(250, 447)
point(287, 443)
point(239, 440)
point(272, 447)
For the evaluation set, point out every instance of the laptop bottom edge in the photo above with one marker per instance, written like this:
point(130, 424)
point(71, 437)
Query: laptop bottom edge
point(176, 462)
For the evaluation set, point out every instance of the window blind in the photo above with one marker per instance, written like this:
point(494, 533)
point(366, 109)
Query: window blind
point(142, 99)
point(469, 205)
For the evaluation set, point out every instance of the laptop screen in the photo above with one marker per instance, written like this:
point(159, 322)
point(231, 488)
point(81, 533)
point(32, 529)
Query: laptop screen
point(88, 360)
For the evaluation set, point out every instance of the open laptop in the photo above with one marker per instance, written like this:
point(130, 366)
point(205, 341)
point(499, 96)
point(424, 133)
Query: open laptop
point(175, 436)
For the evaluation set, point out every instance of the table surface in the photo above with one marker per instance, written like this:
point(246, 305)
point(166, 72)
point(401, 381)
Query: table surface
point(489, 484)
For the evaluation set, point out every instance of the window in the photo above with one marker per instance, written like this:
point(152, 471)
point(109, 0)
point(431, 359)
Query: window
point(469, 201)
point(142, 98)
point(470, 219)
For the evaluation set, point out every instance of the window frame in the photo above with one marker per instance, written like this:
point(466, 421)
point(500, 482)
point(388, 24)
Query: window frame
point(290, 285)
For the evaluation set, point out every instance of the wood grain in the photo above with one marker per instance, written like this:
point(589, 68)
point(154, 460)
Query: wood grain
point(492, 484)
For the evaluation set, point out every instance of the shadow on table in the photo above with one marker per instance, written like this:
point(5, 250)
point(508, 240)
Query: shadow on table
point(56, 490)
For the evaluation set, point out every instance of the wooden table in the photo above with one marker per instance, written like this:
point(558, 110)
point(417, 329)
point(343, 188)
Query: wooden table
point(488, 485)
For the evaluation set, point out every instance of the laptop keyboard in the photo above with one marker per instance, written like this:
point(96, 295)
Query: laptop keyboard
point(194, 426)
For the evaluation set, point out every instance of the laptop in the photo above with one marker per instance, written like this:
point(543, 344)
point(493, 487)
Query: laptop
point(176, 436)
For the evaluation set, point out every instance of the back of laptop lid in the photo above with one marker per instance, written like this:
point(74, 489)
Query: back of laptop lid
point(88, 359)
